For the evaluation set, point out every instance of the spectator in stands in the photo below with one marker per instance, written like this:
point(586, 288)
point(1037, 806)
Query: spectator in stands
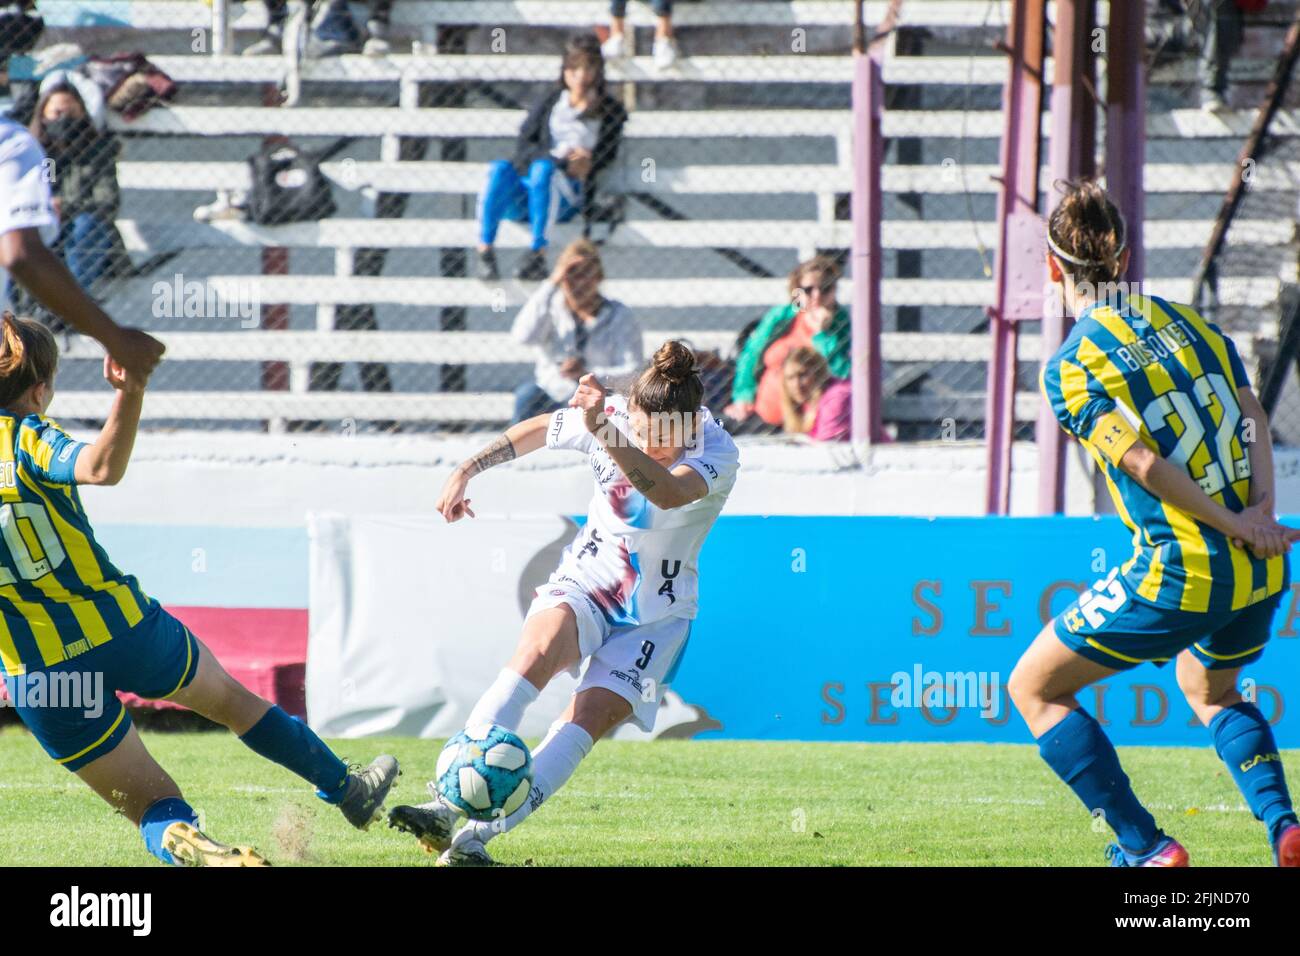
point(1167, 29)
point(1173, 25)
point(86, 195)
point(333, 31)
point(665, 49)
point(1219, 23)
point(570, 135)
point(812, 318)
point(812, 402)
point(576, 330)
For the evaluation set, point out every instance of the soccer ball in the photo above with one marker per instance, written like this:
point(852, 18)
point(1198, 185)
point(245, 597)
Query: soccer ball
point(485, 771)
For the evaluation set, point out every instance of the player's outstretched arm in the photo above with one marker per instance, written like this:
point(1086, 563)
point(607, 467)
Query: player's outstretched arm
point(104, 461)
point(43, 274)
point(518, 440)
point(661, 487)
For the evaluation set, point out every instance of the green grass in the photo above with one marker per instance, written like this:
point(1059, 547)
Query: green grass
point(665, 803)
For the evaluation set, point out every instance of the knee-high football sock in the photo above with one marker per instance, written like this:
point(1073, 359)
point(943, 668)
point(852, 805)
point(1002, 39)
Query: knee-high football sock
point(1083, 756)
point(292, 744)
point(504, 702)
point(158, 818)
point(554, 761)
point(1244, 742)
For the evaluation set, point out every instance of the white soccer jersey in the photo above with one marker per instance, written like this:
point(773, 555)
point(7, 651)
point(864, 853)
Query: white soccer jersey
point(636, 561)
point(25, 200)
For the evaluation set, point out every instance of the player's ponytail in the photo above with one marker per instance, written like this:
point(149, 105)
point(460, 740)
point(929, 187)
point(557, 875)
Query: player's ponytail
point(1087, 232)
point(28, 354)
point(671, 383)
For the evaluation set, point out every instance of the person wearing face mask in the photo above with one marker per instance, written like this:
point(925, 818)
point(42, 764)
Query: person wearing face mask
point(1162, 402)
point(575, 330)
point(86, 195)
point(813, 318)
point(569, 136)
point(29, 222)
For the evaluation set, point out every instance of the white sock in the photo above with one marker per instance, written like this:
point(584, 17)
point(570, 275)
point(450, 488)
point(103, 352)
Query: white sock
point(504, 702)
point(554, 761)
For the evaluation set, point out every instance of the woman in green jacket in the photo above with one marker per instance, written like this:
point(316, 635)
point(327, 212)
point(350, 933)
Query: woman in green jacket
point(814, 319)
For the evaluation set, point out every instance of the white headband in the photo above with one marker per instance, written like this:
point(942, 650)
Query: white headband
point(1123, 244)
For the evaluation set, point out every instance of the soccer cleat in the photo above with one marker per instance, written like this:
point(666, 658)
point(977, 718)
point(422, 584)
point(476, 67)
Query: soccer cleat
point(1286, 852)
point(1166, 852)
point(469, 851)
point(487, 266)
point(433, 823)
point(363, 802)
point(190, 846)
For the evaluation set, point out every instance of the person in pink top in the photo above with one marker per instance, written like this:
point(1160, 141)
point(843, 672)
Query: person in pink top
point(812, 402)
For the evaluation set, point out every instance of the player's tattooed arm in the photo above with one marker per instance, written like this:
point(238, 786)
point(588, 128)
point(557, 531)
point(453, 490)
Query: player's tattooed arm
point(661, 486)
point(519, 439)
point(498, 452)
point(639, 481)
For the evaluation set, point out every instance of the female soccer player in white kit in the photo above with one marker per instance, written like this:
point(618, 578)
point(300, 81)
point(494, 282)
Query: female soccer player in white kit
point(625, 593)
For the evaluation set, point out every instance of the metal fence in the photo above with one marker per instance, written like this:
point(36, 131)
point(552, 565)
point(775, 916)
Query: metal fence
point(734, 165)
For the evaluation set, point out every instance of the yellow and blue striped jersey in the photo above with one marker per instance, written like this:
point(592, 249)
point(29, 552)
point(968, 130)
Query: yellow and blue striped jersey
point(1173, 378)
point(59, 593)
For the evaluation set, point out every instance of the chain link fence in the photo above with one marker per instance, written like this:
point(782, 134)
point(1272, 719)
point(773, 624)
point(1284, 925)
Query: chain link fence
point(374, 308)
point(1223, 59)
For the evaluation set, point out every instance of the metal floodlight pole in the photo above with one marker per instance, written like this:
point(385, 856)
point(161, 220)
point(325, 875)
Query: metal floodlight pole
point(1072, 154)
point(865, 210)
point(1018, 265)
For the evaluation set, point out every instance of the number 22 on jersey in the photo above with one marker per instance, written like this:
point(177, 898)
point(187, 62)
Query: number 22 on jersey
point(1177, 407)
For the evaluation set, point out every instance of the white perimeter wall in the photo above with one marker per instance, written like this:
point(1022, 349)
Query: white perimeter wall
point(251, 480)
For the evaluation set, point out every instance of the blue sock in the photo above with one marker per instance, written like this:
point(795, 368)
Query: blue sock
point(1244, 741)
point(1083, 756)
point(291, 743)
point(158, 818)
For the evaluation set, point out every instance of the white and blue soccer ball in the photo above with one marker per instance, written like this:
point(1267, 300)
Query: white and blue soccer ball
point(485, 772)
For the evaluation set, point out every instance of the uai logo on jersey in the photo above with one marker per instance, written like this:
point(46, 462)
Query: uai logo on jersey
point(669, 572)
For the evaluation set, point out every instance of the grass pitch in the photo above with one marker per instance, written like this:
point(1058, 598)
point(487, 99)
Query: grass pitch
point(668, 803)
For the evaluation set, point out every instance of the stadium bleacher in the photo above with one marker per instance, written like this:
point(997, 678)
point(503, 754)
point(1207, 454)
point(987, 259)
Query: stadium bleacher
point(751, 152)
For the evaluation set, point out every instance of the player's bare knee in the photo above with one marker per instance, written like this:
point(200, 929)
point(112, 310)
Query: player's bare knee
point(1024, 690)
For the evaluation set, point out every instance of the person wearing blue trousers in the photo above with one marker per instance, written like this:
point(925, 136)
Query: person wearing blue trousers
point(567, 139)
point(664, 52)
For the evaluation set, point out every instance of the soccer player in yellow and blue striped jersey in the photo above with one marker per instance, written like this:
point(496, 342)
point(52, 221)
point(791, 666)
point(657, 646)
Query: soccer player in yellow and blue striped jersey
point(75, 630)
point(1160, 399)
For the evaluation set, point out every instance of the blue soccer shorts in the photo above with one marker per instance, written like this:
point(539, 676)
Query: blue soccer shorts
point(1116, 628)
point(72, 708)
